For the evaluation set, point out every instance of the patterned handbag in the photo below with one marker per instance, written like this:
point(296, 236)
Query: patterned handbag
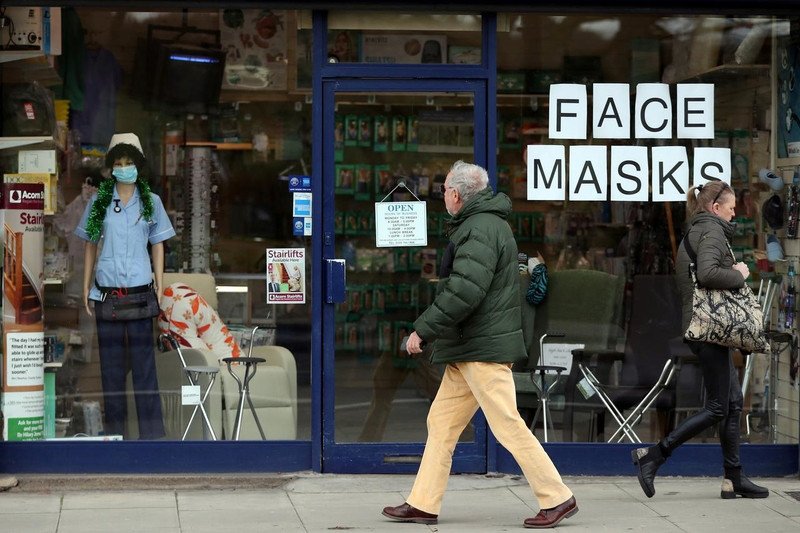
point(729, 317)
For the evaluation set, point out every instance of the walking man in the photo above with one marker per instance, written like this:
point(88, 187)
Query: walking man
point(474, 325)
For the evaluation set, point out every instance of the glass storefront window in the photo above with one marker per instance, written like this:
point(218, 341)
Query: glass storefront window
point(634, 243)
point(394, 147)
point(404, 38)
point(220, 144)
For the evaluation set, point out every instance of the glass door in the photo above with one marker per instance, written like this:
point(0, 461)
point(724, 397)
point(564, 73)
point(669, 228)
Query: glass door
point(388, 141)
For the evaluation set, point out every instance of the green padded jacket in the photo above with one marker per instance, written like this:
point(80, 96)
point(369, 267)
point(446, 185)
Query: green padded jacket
point(476, 314)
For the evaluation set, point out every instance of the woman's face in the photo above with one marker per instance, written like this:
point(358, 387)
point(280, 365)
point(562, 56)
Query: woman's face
point(725, 207)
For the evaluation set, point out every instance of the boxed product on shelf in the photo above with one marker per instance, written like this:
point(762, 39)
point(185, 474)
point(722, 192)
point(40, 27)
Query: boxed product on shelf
point(381, 127)
point(363, 185)
point(351, 130)
point(412, 131)
point(399, 133)
point(539, 80)
point(464, 55)
point(365, 130)
point(511, 81)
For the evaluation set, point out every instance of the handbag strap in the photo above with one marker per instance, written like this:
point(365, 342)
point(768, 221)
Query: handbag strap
point(693, 256)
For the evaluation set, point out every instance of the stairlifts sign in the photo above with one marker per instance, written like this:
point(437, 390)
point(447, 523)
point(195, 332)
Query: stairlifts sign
point(22, 369)
point(626, 173)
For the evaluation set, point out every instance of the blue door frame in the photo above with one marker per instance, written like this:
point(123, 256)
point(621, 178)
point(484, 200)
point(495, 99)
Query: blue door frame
point(383, 457)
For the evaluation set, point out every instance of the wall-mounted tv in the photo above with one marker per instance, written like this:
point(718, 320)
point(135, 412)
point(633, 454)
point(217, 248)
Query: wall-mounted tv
point(187, 78)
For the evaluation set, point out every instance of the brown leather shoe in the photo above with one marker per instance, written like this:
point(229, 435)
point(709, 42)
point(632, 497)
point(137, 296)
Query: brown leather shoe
point(406, 513)
point(551, 517)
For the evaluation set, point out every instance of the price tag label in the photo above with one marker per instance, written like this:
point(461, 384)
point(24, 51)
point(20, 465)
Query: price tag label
point(190, 395)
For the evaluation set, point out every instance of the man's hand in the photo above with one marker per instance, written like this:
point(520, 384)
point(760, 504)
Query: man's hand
point(414, 344)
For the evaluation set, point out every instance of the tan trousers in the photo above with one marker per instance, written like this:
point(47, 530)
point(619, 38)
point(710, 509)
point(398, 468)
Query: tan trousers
point(490, 386)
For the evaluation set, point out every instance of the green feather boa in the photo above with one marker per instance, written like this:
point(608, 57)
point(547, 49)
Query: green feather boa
point(105, 193)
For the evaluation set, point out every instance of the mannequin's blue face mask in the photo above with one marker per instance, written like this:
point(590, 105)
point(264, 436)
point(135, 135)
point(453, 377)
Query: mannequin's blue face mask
point(126, 174)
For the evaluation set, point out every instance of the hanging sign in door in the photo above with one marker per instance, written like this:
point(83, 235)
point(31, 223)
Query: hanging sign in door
point(401, 224)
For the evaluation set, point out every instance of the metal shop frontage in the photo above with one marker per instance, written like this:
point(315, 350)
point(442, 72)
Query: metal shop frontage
point(298, 153)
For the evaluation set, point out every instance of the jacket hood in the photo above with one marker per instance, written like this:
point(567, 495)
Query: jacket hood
point(483, 202)
point(705, 218)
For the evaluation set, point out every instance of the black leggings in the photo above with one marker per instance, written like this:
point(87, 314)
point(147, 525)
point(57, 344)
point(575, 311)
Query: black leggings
point(723, 404)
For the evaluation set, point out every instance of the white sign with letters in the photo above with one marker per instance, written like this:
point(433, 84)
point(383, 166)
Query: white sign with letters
point(401, 224)
point(558, 354)
point(626, 172)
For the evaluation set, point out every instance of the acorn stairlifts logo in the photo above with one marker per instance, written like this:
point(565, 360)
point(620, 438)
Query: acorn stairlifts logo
point(22, 197)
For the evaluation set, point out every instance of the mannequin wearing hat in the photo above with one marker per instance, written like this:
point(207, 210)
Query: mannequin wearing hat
point(119, 222)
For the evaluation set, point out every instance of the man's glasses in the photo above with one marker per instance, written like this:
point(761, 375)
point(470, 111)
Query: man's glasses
point(443, 188)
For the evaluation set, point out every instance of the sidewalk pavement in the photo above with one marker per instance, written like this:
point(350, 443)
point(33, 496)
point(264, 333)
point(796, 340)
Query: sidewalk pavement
point(309, 502)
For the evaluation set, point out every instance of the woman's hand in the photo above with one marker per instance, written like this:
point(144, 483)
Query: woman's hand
point(86, 301)
point(742, 269)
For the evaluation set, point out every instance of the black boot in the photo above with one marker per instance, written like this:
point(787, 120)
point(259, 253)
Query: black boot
point(736, 484)
point(648, 460)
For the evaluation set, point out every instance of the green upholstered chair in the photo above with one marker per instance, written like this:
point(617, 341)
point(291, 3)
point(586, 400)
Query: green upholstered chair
point(583, 305)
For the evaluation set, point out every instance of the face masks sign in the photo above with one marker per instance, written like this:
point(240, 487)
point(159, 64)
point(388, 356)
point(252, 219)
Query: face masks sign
point(626, 173)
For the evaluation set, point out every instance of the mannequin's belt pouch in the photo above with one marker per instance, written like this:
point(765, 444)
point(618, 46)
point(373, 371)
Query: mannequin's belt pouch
point(127, 303)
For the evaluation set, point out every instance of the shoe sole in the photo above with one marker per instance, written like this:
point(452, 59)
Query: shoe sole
point(572, 512)
point(728, 495)
point(417, 520)
point(642, 484)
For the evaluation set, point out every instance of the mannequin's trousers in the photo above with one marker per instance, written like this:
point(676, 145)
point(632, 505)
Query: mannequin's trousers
point(127, 344)
point(490, 386)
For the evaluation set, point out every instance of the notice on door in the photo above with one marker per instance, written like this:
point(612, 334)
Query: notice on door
point(401, 224)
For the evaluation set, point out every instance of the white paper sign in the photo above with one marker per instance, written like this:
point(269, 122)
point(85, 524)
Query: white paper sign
point(695, 115)
point(568, 111)
point(190, 395)
point(629, 174)
point(711, 163)
point(37, 161)
point(25, 359)
point(670, 173)
point(401, 224)
point(546, 172)
point(558, 354)
point(611, 111)
point(653, 117)
point(588, 174)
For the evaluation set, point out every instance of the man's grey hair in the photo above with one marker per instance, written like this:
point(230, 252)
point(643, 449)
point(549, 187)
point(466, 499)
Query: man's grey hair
point(468, 179)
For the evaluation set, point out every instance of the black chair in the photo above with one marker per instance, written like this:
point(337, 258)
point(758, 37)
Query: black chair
point(581, 307)
point(652, 362)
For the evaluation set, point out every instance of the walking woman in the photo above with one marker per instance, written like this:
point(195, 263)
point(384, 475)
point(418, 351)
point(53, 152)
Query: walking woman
point(710, 209)
point(128, 217)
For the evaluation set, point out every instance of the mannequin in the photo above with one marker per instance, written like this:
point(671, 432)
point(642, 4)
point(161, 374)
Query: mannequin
point(128, 217)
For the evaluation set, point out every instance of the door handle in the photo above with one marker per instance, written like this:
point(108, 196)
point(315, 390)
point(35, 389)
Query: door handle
point(335, 281)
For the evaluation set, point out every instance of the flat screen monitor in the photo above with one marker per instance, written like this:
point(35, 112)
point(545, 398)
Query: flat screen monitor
point(188, 79)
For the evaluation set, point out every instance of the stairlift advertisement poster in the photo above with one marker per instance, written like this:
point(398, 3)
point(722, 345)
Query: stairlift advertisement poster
point(286, 275)
point(22, 398)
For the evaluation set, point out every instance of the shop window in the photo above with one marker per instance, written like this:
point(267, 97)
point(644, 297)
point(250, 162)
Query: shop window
point(219, 100)
point(635, 240)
